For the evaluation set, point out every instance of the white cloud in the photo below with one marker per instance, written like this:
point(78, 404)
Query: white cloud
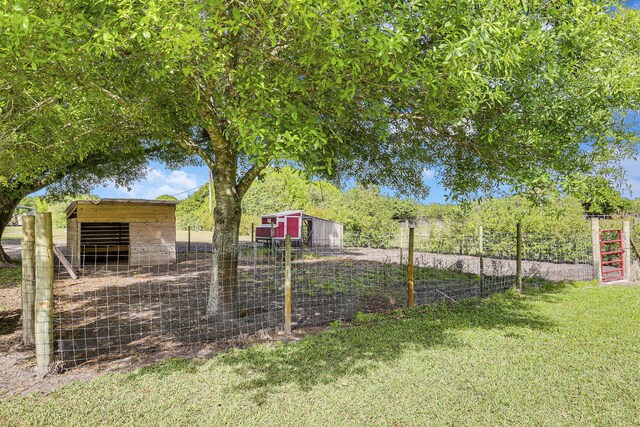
point(157, 183)
point(428, 174)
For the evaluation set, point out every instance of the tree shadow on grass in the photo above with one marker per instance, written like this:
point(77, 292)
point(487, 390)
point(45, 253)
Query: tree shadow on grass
point(375, 339)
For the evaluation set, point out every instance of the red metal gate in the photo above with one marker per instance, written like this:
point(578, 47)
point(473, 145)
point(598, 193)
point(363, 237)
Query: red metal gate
point(611, 255)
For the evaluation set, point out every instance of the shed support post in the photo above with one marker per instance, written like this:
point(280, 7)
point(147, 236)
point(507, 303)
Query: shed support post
point(28, 279)
point(44, 293)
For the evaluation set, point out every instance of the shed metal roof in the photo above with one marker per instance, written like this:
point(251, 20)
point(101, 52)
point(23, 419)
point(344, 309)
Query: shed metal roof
point(72, 206)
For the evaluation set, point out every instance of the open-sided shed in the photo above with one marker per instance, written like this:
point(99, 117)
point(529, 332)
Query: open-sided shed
point(140, 232)
point(304, 229)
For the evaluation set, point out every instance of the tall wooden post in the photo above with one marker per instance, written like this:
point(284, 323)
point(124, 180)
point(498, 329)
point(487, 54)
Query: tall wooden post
point(626, 248)
point(188, 239)
point(253, 232)
point(28, 279)
point(519, 255)
point(44, 293)
point(410, 283)
point(481, 255)
point(287, 284)
point(595, 248)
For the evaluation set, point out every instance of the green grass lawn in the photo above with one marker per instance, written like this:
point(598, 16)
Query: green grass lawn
point(14, 234)
point(566, 356)
point(10, 276)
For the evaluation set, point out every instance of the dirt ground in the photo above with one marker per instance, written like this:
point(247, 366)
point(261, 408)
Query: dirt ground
point(116, 317)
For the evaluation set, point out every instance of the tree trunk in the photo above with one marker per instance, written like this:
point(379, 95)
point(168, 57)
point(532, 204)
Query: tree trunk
point(7, 206)
point(223, 292)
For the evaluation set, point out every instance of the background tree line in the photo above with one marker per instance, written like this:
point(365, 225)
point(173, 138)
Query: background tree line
point(371, 218)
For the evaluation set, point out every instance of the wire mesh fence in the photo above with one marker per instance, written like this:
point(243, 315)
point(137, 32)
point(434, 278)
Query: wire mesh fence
point(121, 306)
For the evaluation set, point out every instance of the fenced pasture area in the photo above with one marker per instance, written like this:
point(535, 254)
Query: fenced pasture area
point(114, 310)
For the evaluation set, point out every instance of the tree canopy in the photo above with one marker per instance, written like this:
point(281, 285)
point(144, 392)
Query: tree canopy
point(487, 93)
point(63, 134)
point(532, 95)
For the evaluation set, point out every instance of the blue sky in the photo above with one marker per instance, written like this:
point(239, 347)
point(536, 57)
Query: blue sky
point(182, 182)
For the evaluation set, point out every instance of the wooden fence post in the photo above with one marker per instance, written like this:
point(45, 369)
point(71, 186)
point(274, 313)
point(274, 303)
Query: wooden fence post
point(188, 239)
point(410, 283)
point(253, 230)
point(44, 293)
point(595, 248)
point(481, 255)
point(271, 241)
point(28, 279)
point(287, 284)
point(519, 255)
point(626, 248)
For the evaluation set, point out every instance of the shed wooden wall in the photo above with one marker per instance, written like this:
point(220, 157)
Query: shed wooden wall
point(152, 230)
point(326, 234)
point(126, 212)
point(152, 243)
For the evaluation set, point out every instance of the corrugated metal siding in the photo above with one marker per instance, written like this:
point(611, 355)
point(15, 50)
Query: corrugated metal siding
point(327, 234)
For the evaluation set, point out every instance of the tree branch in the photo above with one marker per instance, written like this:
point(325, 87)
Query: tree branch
point(193, 148)
point(248, 178)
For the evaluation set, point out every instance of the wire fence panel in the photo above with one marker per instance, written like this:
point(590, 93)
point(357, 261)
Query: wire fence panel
point(334, 284)
point(116, 309)
point(123, 305)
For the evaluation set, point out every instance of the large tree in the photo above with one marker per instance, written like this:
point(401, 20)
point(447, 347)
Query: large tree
point(488, 93)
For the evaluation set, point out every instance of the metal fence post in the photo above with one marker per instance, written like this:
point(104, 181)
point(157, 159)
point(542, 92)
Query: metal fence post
point(481, 254)
point(28, 279)
point(44, 293)
point(626, 248)
point(519, 255)
point(287, 284)
point(595, 247)
point(410, 283)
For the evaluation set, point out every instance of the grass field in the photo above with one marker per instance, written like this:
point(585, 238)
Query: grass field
point(14, 234)
point(563, 356)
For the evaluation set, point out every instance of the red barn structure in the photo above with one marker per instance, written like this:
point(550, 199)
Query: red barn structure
point(305, 230)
